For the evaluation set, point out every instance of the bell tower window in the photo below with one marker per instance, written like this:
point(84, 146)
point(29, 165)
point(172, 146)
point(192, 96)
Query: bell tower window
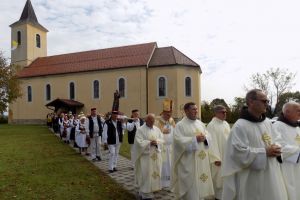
point(19, 37)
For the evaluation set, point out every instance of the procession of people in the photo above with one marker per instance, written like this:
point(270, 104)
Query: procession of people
point(254, 160)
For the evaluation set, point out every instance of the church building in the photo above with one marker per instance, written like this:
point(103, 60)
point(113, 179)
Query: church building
point(144, 75)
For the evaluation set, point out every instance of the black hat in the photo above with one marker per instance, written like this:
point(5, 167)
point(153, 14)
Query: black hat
point(115, 112)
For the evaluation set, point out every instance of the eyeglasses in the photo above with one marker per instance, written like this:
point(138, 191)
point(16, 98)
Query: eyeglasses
point(265, 101)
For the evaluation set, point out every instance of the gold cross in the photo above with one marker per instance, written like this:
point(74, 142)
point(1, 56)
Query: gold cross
point(155, 175)
point(154, 156)
point(267, 139)
point(202, 155)
point(203, 177)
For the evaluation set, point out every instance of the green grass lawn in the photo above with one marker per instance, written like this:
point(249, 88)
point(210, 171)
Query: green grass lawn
point(125, 147)
point(35, 164)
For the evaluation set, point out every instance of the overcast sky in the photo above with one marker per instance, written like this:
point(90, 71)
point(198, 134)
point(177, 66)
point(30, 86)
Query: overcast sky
point(229, 39)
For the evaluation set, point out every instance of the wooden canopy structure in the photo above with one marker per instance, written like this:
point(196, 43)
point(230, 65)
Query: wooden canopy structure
point(65, 105)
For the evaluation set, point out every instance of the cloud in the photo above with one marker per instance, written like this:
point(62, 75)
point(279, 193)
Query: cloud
point(229, 39)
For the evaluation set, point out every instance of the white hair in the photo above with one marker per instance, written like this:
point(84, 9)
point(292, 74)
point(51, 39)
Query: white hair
point(288, 105)
point(150, 115)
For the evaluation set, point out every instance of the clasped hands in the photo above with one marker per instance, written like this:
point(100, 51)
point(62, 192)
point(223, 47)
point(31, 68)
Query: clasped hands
point(273, 150)
point(200, 137)
point(166, 131)
point(153, 143)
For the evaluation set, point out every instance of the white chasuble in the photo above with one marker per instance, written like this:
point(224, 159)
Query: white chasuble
point(289, 139)
point(219, 131)
point(248, 173)
point(166, 149)
point(191, 177)
point(147, 159)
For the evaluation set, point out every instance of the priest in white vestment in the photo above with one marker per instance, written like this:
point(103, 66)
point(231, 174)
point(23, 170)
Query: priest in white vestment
point(250, 168)
point(191, 176)
point(166, 124)
point(219, 130)
point(147, 157)
point(288, 135)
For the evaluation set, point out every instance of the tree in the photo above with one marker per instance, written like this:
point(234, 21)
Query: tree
point(206, 112)
point(274, 82)
point(235, 110)
point(9, 84)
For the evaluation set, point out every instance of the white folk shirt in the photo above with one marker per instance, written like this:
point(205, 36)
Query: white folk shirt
point(96, 126)
point(219, 131)
point(248, 173)
point(147, 159)
point(105, 135)
point(191, 176)
point(130, 125)
point(289, 139)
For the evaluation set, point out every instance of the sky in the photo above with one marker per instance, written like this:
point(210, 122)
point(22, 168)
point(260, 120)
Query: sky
point(230, 40)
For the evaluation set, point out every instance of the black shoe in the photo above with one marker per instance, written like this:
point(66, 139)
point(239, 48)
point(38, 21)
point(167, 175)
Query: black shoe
point(94, 159)
point(98, 158)
point(111, 171)
point(115, 169)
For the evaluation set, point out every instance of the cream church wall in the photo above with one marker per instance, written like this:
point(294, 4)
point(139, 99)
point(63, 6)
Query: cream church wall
point(35, 111)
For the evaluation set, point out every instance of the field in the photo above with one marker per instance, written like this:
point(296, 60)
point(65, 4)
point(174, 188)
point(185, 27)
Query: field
point(34, 164)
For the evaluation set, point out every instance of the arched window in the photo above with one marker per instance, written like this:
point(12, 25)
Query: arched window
point(96, 89)
point(121, 86)
point(29, 94)
point(19, 37)
point(72, 90)
point(161, 86)
point(48, 92)
point(188, 86)
point(38, 41)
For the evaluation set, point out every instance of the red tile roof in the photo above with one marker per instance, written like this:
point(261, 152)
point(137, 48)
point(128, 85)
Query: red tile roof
point(118, 57)
point(170, 56)
point(112, 58)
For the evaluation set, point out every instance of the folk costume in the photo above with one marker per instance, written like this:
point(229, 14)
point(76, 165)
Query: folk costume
point(113, 137)
point(95, 133)
point(132, 126)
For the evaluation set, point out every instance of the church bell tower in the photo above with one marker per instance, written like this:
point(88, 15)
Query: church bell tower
point(28, 38)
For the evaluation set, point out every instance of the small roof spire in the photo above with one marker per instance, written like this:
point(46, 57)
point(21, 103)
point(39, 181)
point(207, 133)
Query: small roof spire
point(28, 13)
point(28, 16)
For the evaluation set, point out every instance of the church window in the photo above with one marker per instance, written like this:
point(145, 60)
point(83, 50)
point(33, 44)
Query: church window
point(29, 94)
point(188, 86)
point(72, 90)
point(48, 92)
point(96, 89)
point(19, 38)
point(162, 83)
point(121, 86)
point(38, 41)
